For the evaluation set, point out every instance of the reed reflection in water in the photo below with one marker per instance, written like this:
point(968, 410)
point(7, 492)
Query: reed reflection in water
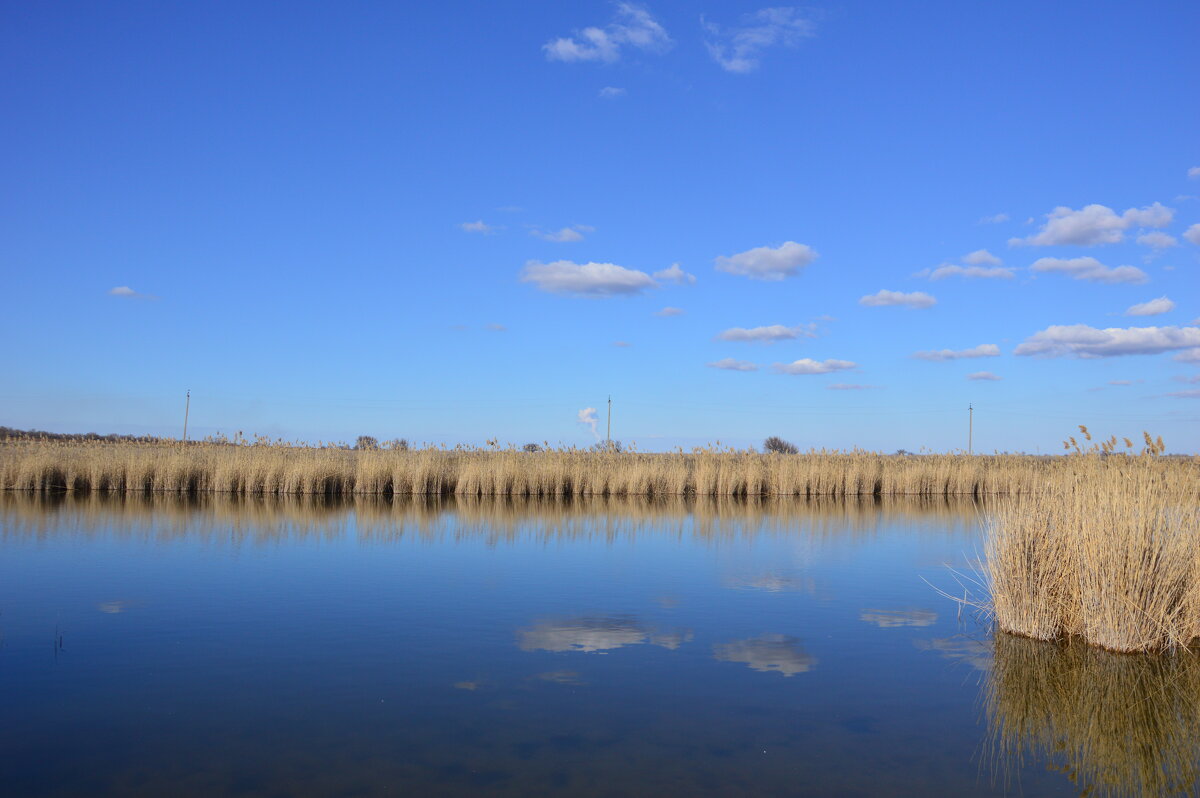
point(1115, 724)
point(257, 520)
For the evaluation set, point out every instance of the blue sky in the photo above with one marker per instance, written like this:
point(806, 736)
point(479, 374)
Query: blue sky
point(460, 221)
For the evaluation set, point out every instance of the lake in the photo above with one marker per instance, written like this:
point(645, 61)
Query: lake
point(154, 646)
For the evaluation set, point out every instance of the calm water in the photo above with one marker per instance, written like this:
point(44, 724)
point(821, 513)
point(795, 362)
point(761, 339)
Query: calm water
point(593, 648)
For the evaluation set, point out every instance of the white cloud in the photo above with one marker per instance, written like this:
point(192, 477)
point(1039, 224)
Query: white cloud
point(810, 366)
point(1192, 234)
point(588, 417)
point(126, 292)
point(1094, 224)
point(611, 92)
point(997, 218)
point(729, 364)
point(586, 279)
point(1185, 394)
point(954, 270)
point(669, 311)
point(595, 634)
point(1090, 269)
point(774, 332)
point(674, 274)
point(890, 619)
point(1157, 240)
point(981, 257)
point(983, 375)
point(1120, 382)
point(766, 263)
point(1194, 172)
point(983, 350)
point(1152, 308)
point(845, 386)
point(738, 49)
point(1080, 340)
point(1189, 356)
point(481, 227)
point(885, 298)
point(633, 26)
point(496, 327)
point(564, 236)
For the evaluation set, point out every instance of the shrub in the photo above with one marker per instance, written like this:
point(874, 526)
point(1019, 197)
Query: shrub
point(777, 445)
point(366, 442)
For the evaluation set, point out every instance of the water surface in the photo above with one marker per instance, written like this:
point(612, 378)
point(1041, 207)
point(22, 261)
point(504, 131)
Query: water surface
point(459, 647)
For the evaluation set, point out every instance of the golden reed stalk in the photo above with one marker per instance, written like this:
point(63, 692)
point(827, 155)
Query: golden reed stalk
point(164, 467)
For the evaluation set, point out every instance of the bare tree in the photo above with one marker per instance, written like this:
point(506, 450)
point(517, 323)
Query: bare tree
point(777, 445)
point(366, 442)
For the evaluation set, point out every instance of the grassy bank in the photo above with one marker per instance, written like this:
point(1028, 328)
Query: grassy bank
point(284, 470)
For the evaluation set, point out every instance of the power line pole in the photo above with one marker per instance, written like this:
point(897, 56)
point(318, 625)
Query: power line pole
point(608, 435)
point(970, 428)
point(186, 408)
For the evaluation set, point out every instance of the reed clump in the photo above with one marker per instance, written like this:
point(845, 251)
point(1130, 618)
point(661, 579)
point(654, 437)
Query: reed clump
point(1108, 551)
point(276, 468)
point(1113, 724)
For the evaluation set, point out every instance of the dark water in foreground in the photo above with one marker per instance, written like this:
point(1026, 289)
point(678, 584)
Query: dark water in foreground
point(592, 648)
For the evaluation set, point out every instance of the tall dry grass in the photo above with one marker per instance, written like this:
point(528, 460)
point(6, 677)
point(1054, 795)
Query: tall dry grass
point(285, 469)
point(1114, 724)
point(1108, 551)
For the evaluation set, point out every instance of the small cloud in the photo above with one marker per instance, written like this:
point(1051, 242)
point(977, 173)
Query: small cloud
point(738, 49)
point(611, 93)
point(995, 219)
point(586, 279)
point(768, 263)
point(1120, 382)
point(1192, 234)
point(985, 376)
point(954, 270)
point(1185, 394)
point(675, 274)
point(1080, 340)
point(667, 312)
point(885, 298)
point(481, 227)
point(496, 327)
point(846, 386)
point(126, 292)
point(1192, 380)
point(1190, 356)
point(983, 350)
point(622, 344)
point(981, 257)
point(1194, 172)
point(729, 364)
point(1091, 270)
point(589, 418)
point(633, 26)
point(1154, 307)
point(1157, 239)
point(566, 235)
point(769, 334)
point(1093, 225)
point(809, 366)
point(561, 677)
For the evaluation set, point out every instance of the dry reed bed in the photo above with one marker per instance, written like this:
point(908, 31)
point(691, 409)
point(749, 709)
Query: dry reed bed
point(1108, 552)
point(287, 470)
point(1115, 724)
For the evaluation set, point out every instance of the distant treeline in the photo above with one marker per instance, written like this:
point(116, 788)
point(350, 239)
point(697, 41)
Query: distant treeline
point(10, 434)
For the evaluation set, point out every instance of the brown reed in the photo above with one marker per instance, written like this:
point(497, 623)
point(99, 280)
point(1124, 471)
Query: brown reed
point(281, 469)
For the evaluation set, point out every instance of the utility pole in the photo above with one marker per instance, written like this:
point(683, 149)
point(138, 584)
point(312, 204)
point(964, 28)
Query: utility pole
point(970, 428)
point(608, 435)
point(186, 408)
